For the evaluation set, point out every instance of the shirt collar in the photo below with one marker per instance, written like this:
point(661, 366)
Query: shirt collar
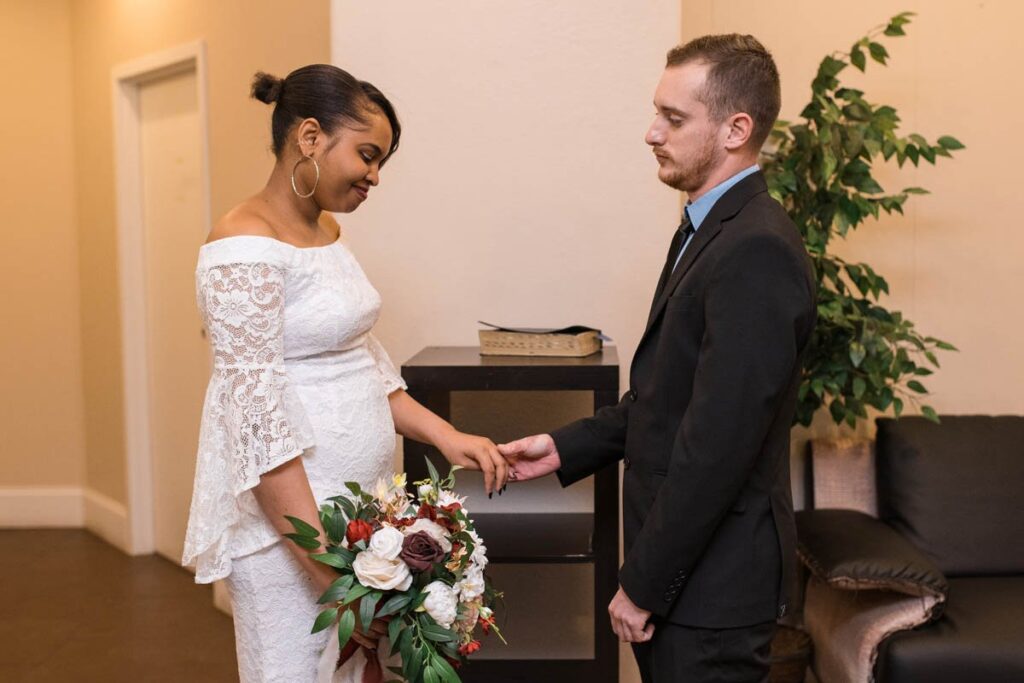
point(699, 210)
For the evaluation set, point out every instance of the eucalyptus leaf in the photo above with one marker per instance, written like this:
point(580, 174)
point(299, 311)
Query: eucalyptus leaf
point(356, 593)
point(302, 528)
point(394, 630)
point(446, 671)
point(335, 525)
point(325, 619)
point(304, 541)
point(337, 590)
point(394, 604)
point(366, 609)
point(346, 625)
point(332, 559)
point(434, 476)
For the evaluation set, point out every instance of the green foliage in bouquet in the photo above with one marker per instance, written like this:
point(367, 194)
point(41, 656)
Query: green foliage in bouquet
point(820, 169)
point(428, 649)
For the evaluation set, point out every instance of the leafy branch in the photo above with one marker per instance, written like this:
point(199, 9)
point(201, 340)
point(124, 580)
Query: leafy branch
point(820, 169)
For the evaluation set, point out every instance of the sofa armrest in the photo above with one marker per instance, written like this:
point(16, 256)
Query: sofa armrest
point(851, 550)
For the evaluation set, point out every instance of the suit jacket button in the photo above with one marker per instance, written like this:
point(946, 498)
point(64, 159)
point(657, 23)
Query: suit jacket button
point(632, 395)
point(782, 611)
point(626, 463)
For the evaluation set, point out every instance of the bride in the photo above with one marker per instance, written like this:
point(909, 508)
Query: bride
point(302, 396)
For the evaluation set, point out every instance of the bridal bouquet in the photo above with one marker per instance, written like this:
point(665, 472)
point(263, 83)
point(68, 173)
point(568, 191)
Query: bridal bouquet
point(416, 561)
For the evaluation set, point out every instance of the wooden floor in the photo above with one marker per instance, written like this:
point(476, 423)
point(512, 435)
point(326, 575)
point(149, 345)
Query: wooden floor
point(73, 608)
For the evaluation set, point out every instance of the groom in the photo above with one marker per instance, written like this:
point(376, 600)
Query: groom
point(703, 432)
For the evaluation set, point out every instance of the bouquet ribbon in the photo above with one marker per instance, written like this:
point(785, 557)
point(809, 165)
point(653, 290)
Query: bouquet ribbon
point(372, 673)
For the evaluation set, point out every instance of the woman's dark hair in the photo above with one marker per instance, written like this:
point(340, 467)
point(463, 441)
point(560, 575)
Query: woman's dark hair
point(326, 93)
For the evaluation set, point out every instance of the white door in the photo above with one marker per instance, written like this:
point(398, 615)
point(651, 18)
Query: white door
point(179, 361)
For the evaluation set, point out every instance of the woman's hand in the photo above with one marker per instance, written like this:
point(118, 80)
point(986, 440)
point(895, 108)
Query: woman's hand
point(413, 421)
point(476, 453)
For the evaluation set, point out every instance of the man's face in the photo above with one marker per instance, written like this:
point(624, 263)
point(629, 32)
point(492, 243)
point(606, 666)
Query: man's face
point(683, 137)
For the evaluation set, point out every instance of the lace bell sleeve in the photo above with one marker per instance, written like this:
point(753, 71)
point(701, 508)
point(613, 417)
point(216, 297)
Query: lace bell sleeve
point(253, 420)
point(260, 421)
point(392, 379)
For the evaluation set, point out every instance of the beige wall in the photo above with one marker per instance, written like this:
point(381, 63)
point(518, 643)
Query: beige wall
point(41, 423)
point(241, 36)
point(955, 262)
point(523, 193)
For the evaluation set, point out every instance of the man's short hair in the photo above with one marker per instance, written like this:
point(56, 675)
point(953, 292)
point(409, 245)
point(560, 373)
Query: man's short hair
point(742, 77)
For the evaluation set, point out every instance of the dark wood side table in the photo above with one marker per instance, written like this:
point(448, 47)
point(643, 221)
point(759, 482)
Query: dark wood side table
point(554, 538)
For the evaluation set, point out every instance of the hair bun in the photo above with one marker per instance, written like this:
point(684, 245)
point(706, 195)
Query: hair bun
point(266, 88)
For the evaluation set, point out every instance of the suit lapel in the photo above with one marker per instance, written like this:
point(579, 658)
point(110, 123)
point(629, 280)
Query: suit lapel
point(666, 271)
point(725, 208)
point(701, 239)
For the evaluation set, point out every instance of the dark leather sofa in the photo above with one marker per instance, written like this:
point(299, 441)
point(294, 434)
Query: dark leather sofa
point(950, 530)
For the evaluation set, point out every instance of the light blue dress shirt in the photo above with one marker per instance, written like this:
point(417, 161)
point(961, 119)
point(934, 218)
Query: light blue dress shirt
point(699, 210)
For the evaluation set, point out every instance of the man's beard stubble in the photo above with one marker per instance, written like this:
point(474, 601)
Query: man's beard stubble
point(691, 175)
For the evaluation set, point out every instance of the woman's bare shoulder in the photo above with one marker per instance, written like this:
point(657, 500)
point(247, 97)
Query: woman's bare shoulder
point(243, 220)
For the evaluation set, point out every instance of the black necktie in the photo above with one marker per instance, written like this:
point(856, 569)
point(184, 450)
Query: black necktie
point(685, 230)
point(683, 233)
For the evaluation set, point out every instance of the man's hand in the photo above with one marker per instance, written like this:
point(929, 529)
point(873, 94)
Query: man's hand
point(532, 457)
point(629, 621)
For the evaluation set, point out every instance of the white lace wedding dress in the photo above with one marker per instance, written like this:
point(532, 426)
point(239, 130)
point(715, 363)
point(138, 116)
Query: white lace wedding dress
point(296, 374)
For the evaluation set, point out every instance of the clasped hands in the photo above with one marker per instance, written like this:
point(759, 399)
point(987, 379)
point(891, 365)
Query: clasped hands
point(522, 460)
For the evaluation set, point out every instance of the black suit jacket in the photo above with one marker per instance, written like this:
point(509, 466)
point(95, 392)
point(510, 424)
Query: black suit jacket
point(704, 430)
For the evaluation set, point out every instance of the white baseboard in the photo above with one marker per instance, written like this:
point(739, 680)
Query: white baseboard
point(41, 507)
point(108, 519)
point(64, 507)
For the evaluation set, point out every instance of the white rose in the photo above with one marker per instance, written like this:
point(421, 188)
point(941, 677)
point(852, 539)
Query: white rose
point(472, 585)
point(433, 529)
point(376, 572)
point(386, 543)
point(441, 603)
point(424, 490)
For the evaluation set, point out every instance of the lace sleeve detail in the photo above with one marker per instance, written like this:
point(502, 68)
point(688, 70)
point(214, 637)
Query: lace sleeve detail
point(262, 420)
point(253, 421)
point(392, 379)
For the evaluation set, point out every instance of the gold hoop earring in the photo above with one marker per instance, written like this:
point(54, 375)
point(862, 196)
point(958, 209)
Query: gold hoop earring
point(316, 182)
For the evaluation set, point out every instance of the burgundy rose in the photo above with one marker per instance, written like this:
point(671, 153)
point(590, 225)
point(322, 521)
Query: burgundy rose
point(420, 551)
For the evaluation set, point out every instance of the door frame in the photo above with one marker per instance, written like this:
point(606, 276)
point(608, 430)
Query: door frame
point(126, 80)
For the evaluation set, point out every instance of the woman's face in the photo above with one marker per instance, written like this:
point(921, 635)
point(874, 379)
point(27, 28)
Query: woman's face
point(349, 161)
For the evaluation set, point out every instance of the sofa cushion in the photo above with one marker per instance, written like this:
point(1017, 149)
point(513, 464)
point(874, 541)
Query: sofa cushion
point(979, 639)
point(954, 489)
point(852, 550)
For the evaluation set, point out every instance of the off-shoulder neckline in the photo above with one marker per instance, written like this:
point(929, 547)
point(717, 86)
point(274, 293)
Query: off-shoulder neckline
point(272, 239)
